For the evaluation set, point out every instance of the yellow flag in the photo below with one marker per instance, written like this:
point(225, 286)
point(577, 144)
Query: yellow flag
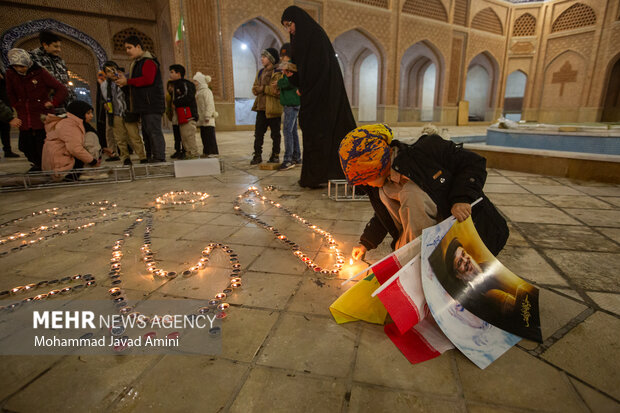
point(357, 304)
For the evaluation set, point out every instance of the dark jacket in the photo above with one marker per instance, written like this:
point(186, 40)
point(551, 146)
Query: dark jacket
point(448, 174)
point(29, 93)
point(184, 95)
point(147, 99)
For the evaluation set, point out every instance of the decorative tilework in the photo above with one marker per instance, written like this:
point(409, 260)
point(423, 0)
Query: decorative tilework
point(12, 35)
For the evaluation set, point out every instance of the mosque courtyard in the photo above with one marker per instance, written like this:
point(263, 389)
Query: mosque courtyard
point(281, 349)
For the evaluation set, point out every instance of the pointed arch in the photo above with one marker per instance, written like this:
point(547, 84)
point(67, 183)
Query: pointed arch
point(488, 21)
point(610, 99)
point(433, 9)
point(354, 49)
point(418, 64)
point(481, 85)
point(576, 16)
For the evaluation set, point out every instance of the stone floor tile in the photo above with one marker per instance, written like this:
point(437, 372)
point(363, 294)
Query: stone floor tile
point(265, 290)
point(277, 261)
point(380, 362)
point(17, 371)
point(555, 312)
point(607, 190)
point(496, 179)
point(504, 189)
point(194, 217)
point(552, 190)
point(569, 292)
point(316, 294)
point(613, 200)
point(589, 270)
point(607, 301)
point(529, 265)
point(505, 172)
point(348, 227)
point(576, 201)
point(243, 332)
point(613, 233)
point(569, 237)
point(590, 352)
point(545, 389)
point(81, 383)
point(517, 199)
point(210, 233)
point(190, 384)
point(597, 217)
point(534, 180)
point(595, 400)
point(275, 390)
point(168, 230)
point(515, 238)
point(537, 215)
point(312, 344)
point(371, 399)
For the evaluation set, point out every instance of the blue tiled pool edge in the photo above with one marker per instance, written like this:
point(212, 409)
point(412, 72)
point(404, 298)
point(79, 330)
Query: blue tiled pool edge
point(606, 145)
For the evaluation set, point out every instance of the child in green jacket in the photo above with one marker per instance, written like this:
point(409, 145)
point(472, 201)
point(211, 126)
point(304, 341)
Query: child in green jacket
point(289, 98)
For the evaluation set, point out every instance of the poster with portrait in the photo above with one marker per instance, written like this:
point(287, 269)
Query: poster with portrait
point(479, 341)
point(475, 279)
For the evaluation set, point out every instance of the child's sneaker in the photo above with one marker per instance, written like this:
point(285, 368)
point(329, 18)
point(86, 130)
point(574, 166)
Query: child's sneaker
point(286, 165)
point(297, 161)
point(256, 159)
point(274, 158)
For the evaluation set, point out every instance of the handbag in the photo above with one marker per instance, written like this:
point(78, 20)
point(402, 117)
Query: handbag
point(184, 114)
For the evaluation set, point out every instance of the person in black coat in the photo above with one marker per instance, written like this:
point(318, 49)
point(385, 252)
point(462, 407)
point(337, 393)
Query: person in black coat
point(412, 187)
point(325, 115)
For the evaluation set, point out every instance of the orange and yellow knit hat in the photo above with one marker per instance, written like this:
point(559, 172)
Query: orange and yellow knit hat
point(365, 153)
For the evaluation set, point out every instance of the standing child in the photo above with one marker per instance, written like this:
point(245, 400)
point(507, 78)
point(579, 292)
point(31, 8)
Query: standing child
point(29, 87)
point(179, 151)
point(184, 101)
point(289, 98)
point(267, 107)
point(206, 114)
point(124, 125)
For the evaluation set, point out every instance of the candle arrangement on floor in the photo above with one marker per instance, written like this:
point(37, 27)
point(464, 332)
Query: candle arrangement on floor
point(216, 305)
point(93, 212)
point(252, 192)
point(64, 287)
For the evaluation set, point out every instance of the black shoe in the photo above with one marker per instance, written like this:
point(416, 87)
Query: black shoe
point(274, 158)
point(10, 154)
point(175, 155)
point(127, 162)
point(256, 159)
point(297, 161)
point(144, 161)
point(34, 169)
point(113, 158)
point(286, 165)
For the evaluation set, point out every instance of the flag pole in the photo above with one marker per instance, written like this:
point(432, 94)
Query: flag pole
point(351, 278)
point(392, 278)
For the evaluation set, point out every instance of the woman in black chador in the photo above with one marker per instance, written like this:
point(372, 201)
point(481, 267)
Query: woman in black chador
point(325, 115)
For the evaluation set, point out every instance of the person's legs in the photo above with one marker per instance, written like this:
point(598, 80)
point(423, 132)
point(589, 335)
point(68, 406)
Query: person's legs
point(204, 139)
point(259, 134)
point(121, 138)
point(5, 134)
point(295, 139)
point(211, 141)
point(111, 142)
point(151, 126)
point(134, 140)
point(274, 125)
point(188, 137)
point(31, 144)
point(287, 131)
point(178, 145)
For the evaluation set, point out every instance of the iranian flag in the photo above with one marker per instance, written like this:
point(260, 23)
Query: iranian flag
point(179, 36)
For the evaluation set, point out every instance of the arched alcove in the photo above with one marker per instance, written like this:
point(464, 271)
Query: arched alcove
point(248, 41)
point(611, 103)
point(421, 74)
point(513, 97)
point(362, 65)
point(480, 86)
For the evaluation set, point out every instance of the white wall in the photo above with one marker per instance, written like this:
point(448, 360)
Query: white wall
point(515, 85)
point(369, 72)
point(244, 69)
point(477, 91)
point(428, 93)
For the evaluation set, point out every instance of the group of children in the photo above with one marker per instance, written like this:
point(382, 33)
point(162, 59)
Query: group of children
point(276, 95)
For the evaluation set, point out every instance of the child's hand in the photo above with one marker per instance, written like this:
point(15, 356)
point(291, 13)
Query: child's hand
point(358, 252)
point(298, 92)
point(49, 105)
point(15, 122)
